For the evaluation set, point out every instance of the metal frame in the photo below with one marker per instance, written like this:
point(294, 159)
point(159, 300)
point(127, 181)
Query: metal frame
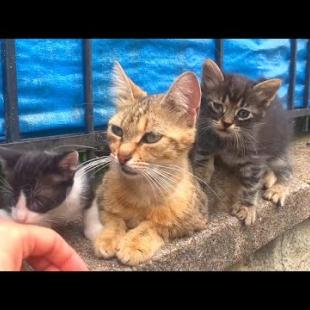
point(94, 138)
point(292, 75)
point(10, 90)
point(307, 78)
point(219, 48)
point(88, 85)
point(305, 111)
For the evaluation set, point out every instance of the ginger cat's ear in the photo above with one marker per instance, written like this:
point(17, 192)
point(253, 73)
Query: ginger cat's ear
point(184, 97)
point(126, 92)
point(212, 75)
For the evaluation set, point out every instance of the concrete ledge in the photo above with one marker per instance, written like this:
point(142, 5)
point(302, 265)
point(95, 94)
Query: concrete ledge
point(224, 243)
point(227, 241)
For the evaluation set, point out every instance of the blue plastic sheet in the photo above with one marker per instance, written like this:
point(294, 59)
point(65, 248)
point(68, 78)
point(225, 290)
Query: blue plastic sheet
point(151, 63)
point(50, 74)
point(50, 85)
point(257, 58)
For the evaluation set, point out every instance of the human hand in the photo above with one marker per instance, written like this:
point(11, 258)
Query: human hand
point(42, 248)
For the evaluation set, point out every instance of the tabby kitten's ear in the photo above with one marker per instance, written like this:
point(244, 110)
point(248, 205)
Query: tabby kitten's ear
point(267, 90)
point(124, 89)
point(212, 75)
point(183, 98)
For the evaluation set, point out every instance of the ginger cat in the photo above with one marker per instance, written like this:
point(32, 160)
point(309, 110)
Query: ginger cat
point(149, 194)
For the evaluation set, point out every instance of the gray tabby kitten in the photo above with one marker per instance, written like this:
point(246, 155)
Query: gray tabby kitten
point(243, 124)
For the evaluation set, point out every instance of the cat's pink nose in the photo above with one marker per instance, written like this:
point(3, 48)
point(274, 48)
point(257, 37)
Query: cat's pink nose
point(123, 158)
point(226, 124)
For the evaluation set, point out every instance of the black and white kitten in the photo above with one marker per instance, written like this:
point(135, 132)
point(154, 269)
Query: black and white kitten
point(243, 123)
point(45, 188)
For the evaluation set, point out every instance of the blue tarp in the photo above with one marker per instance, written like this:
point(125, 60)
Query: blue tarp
point(50, 74)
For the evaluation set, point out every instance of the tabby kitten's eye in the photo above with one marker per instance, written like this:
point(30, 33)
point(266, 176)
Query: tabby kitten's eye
point(117, 130)
point(217, 107)
point(151, 137)
point(243, 114)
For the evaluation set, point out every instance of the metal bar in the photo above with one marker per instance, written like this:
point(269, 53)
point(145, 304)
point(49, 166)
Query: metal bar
point(88, 85)
point(96, 139)
point(219, 52)
point(299, 113)
point(10, 90)
point(307, 78)
point(292, 74)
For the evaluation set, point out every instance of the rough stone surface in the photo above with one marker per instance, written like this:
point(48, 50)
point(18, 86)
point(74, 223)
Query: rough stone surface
point(288, 252)
point(226, 241)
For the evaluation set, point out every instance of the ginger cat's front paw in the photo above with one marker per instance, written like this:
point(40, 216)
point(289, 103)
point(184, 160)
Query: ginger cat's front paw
point(276, 194)
point(106, 245)
point(244, 213)
point(137, 248)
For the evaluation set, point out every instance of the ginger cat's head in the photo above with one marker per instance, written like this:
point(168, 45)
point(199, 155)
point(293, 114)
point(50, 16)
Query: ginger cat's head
point(151, 132)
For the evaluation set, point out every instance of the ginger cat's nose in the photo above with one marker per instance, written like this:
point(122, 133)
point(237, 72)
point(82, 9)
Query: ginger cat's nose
point(123, 158)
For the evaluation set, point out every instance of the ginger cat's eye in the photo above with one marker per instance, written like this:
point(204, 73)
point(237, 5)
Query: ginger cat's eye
point(118, 131)
point(151, 137)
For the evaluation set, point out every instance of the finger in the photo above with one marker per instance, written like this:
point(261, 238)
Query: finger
point(46, 243)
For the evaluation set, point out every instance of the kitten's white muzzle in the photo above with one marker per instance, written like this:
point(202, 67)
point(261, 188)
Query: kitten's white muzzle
point(21, 214)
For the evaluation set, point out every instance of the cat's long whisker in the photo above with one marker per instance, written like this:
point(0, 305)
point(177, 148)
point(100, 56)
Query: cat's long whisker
point(101, 168)
point(243, 145)
point(240, 144)
point(4, 185)
point(154, 181)
point(92, 160)
point(251, 137)
point(167, 181)
point(144, 168)
point(93, 163)
point(178, 168)
point(161, 185)
point(5, 191)
point(5, 182)
point(161, 180)
point(203, 127)
point(88, 169)
point(81, 146)
point(167, 176)
point(146, 176)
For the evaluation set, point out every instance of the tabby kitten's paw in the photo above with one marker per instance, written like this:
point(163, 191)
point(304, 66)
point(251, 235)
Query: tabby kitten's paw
point(276, 194)
point(244, 213)
point(135, 250)
point(106, 245)
point(269, 180)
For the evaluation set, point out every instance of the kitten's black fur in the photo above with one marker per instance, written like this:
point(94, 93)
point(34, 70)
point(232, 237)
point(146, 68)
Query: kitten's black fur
point(263, 135)
point(45, 179)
